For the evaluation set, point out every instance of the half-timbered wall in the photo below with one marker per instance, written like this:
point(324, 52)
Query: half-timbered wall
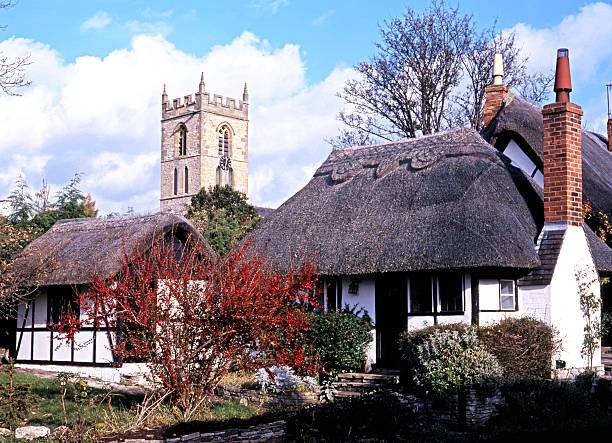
point(37, 343)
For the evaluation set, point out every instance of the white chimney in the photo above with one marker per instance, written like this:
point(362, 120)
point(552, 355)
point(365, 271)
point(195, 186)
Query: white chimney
point(498, 70)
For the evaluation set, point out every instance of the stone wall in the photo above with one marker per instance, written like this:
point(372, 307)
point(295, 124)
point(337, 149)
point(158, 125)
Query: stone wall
point(473, 409)
point(275, 431)
point(251, 397)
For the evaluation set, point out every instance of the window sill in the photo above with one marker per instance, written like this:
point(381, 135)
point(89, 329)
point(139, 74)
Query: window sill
point(431, 314)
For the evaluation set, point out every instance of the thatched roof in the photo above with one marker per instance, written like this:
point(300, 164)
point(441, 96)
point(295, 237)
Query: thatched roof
point(446, 201)
point(72, 251)
point(601, 252)
point(523, 118)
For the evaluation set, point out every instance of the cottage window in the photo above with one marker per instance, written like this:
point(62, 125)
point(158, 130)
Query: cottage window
point(61, 305)
point(507, 298)
point(334, 293)
point(436, 294)
point(421, 296)
point(181, 140)
point(450, 292)
point(224, 141)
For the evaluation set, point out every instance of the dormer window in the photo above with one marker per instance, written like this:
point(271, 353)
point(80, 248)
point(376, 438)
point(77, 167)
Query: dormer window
point(225, 140)
point(523, 160)
point(181, 140)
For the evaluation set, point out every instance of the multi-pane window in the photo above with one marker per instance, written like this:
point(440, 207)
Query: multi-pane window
point(507, 299)
point(421, 296)
point(441, 293)
point(450, 292)
point(224, 141)
point(182, 140)
point(230, 178)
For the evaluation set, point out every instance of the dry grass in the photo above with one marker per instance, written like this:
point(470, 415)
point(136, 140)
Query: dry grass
point(240, 379)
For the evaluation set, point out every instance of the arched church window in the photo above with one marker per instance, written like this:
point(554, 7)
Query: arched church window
point(175, 181)
point(225, 140)
point(181, 140)
point(230, 178)
point(186, 180)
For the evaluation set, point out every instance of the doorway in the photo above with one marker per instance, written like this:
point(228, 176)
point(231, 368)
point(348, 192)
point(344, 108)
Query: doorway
point(391, 317)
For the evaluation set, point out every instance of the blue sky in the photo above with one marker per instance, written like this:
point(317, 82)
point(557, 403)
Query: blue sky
point(98, 67)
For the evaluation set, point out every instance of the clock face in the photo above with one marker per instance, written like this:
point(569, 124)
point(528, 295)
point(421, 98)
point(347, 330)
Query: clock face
point(225, 163)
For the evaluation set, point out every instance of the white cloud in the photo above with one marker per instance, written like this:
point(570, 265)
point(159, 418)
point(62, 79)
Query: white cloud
point(99, 20)
point(587, 34)
point(272, 5)
point(100, 116)
point(323, 18)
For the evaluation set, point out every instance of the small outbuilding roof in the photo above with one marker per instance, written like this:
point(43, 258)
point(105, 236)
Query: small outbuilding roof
point(525, 119)
point(444, 201)
point(75, 250)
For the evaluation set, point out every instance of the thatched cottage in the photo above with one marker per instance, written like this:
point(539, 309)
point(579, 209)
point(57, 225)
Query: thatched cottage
point(59, 265)
point(458, 226)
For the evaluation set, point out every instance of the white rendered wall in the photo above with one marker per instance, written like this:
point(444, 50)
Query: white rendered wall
point(135, 373)
point(366, 299)
point(532, 301)
point(565, 311)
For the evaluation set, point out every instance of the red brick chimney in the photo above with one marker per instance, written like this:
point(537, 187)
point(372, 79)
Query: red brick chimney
point(563, 151)
point(610, 134)
point(495, 92)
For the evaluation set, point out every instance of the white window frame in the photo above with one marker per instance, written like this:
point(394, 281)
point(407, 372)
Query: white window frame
point(514, 296)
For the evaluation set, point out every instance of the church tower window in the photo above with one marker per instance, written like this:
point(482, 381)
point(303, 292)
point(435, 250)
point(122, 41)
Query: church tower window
point(181, 140)
point(225, 140)
point(186, 180)
point(218, 178)
point(175, 181)
point(230, 178)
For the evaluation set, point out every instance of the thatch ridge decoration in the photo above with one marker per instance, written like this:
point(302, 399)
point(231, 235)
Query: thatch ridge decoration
point(445, 201)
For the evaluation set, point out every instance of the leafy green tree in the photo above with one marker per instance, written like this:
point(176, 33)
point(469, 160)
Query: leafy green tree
point(21, 202)
point(223, 216)
point(70, 202)
point(32, 216)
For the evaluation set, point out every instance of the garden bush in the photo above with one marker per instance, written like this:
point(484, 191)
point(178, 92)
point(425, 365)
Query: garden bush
point(523, 346)
point(408, 344)
point(340, 340)
point(446, 361)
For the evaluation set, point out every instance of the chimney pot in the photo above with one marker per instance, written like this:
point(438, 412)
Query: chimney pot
point(498, 69)
point(563, 78)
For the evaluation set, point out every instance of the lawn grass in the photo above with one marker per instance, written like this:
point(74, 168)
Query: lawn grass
point(108, 413)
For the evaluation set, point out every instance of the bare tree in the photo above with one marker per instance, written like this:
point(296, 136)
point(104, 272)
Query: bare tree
point(12, 71)
point(429, 73)
point(406, 86)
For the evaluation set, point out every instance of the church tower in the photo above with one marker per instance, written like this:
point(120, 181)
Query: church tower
point(204, 142)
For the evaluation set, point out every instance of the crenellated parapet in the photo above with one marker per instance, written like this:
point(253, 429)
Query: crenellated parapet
point(204, 101)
